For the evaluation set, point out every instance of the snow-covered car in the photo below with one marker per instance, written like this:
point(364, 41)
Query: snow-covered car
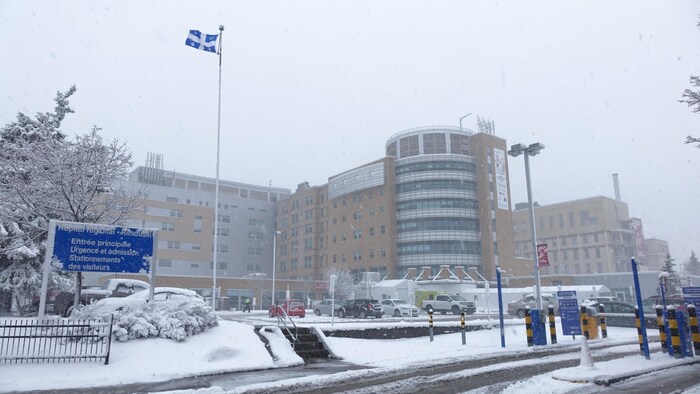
point(398, 308)
point(160, 294)
point(112, 288)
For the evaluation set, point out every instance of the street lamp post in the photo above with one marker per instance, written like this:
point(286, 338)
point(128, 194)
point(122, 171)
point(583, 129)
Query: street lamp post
point(460, 120)
point(274, 269)
point(531, 150)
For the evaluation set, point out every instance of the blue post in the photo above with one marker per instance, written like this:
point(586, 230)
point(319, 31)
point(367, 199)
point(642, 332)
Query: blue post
point(500, 307)
point(638, 291)
point(539, 335)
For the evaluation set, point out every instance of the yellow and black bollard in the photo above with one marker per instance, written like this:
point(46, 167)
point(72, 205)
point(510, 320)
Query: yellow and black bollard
point(675, 335)
point(662, 327)
point(462, 324)
point(528, 326)
point(638, 324)
point(584, 322)
point(430, 323)
point(552, 325)
point(603, 324)
point(694, 331)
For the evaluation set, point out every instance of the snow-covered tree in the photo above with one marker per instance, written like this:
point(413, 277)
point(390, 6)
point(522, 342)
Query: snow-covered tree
point(692, 266)
point(345, 283)
point(673, 285)
point(45, 176)
point(692, 98)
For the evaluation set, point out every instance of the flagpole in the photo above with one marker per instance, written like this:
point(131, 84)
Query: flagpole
point(216, 189)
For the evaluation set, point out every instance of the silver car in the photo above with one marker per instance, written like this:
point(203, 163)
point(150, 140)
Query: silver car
point(517, 308)
point(398, 308)
point(324, 307)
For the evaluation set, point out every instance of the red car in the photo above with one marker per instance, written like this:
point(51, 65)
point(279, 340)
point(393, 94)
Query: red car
point(291, 307)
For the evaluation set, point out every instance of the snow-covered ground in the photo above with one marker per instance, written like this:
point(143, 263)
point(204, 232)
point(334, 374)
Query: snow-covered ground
point(233, 346)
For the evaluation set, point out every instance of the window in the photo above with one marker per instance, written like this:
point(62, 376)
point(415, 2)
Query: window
point(308, 262)
point(309, 214)
point(382, 229)
point(171, 199)
point(177, 213)
point(371, 231)
point(371, 253)
point(309, 229)
point(308, 244)
point(165, 263)
point(224, 219)
point(357, 215)
point(371, 212)
point(383, 252)
point(167, 226)
point(173, 245)
point(357, 234)
point(309, 200)
point(343, 219)
point(357, 255)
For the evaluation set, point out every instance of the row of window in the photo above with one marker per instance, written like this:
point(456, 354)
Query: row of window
point(439, 247)
point(442, 203)
point(436, 166)
point(430, 224)
point(436, 184)
point(169, 263)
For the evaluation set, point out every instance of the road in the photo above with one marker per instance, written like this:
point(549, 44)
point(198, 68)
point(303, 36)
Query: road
point(455, 377)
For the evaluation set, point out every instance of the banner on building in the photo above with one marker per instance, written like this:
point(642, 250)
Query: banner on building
point(501, 180)
point(636, 227)
point(542, 258)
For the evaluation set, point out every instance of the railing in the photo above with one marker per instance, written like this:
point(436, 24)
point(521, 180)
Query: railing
point(282, 322)
point(33, 340)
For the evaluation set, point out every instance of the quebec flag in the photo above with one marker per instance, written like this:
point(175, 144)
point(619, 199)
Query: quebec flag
point(206, 42)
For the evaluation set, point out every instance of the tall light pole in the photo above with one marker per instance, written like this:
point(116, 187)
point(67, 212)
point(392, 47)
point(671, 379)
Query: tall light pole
point(460, 120)
point(531, 150)
point(274, 254)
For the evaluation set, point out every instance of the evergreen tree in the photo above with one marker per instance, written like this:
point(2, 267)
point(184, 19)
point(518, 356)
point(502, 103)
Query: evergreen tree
point(692, 266)
point(673, 285)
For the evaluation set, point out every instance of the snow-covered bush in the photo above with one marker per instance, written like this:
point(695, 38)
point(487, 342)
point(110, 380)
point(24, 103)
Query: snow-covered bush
point(173, 319)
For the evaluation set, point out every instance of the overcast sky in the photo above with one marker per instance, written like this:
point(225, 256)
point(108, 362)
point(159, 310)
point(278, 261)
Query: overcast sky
point(311, 89)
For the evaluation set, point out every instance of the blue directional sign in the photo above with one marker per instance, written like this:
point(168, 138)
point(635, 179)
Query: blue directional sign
point(99, 248)
point(691, 295)
point(569, 312)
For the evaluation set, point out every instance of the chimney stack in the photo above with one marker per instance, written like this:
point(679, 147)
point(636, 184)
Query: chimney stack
point(616, 184)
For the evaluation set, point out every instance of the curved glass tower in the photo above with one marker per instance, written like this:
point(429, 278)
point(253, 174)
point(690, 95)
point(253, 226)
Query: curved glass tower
point(437, 204)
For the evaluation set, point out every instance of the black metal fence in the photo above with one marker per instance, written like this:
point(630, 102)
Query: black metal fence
point(33, 340)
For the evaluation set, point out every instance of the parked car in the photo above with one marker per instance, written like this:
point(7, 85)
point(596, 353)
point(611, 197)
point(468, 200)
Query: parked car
point(112, 288)
point(454, 303)
point(620, 314)
point(290, 307)
point(517, 308)
point(323, 307)
point(160, 294)
point(676, 300)
point(361, 308)
point(398, 308)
